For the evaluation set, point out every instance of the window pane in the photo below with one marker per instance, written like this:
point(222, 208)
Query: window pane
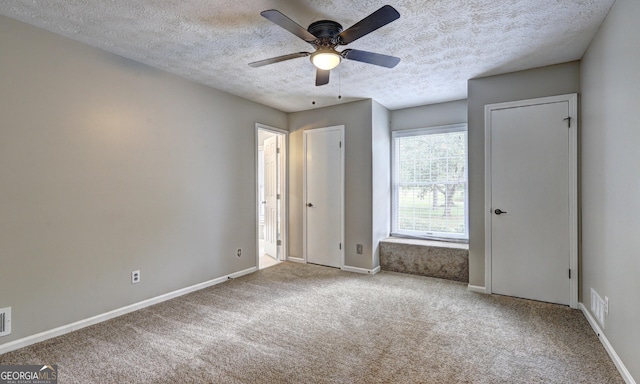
point(430, 184)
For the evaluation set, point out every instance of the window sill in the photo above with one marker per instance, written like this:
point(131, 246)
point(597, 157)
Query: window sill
point(427, 243)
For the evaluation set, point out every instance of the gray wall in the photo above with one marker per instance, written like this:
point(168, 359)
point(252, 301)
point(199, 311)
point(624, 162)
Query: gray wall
point(610, 179)
point(547, 81)
point(433, 115)
point(357, 119)
point(381, 178)
point(107, 166)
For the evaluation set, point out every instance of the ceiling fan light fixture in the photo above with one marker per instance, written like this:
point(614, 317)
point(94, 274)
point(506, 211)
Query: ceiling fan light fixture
point(325, 59)
point(326, 35)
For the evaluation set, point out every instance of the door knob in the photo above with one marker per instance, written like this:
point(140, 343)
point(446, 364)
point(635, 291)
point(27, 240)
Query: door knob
point(499, 211)
point(309, 205)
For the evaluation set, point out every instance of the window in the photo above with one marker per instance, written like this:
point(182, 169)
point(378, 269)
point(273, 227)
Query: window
point(429, 181)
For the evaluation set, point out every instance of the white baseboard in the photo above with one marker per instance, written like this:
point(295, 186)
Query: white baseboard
point(42, 336)
point(345, 268)
point(234, 275)
point(607, 346)
point(361, 270)
point(476, 288)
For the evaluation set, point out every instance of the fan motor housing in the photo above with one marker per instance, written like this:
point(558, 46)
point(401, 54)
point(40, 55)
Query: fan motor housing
point(325, 29)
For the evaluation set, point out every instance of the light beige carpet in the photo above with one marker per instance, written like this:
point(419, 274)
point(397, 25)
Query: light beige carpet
point(295, 323)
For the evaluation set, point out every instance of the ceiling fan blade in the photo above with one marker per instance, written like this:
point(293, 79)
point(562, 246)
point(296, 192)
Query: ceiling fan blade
point(278, 59)
point(322, 77)
point(288, 24)
point(371, 58)
point(377, 19)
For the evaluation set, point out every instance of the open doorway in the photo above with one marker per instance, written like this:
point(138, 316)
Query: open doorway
point(270, 182)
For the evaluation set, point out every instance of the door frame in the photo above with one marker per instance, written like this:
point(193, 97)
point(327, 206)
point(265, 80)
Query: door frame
point(304, 189)
point(572, 99)
point(284, 217)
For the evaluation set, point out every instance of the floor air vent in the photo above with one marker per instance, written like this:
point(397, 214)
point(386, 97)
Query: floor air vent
point(5, 321)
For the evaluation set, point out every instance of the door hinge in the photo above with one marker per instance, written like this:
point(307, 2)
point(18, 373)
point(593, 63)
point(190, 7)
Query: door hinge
point(569, 273)
point(277, 150)
point(340, 144)
point(278, 196)
point(340, 246)
point(568, 120)
point(279, 242)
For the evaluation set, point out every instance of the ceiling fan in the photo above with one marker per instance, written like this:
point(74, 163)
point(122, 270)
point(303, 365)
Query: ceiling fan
point(326, 35)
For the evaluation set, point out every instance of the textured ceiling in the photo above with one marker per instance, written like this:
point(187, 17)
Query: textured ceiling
point(442, 43)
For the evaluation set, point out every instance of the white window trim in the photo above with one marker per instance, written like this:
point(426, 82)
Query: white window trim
point(442, 236)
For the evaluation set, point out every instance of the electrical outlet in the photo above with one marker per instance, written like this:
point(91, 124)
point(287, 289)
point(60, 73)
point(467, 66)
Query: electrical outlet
point(135, 277)
point(239, 252)
point(359, 249)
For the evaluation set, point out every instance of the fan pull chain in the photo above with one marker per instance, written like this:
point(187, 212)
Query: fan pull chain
point(339, 85)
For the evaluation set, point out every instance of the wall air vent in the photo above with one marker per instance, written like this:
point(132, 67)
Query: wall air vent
point(598, 308)
point(5, 321)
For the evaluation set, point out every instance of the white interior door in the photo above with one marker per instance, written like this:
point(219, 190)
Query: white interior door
point(323, 174)
point(530, 186)
point(271, 222)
